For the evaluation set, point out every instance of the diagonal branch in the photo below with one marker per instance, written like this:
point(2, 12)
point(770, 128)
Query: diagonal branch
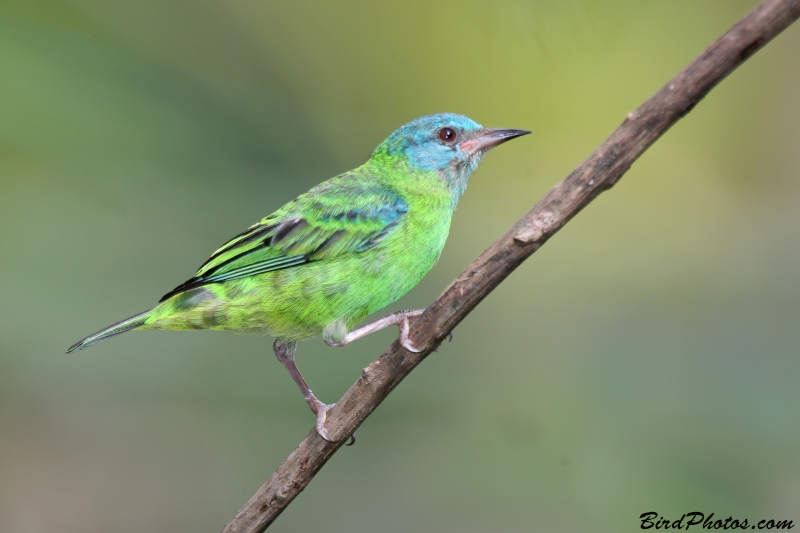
point(601, 170)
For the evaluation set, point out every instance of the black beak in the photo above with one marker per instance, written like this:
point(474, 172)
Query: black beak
point(489, 138)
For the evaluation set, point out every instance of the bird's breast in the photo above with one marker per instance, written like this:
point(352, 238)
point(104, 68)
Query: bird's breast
point(414, 248)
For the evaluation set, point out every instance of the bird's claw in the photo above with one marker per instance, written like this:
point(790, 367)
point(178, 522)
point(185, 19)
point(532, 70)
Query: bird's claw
point(449, 339)
point(408, 346)
point(405, 342)
point(321, 410)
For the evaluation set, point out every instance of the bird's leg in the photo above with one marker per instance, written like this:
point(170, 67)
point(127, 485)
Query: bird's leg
point(399, 319)
point(284, 351)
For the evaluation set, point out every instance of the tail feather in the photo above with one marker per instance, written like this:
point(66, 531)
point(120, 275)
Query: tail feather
point(115, 329)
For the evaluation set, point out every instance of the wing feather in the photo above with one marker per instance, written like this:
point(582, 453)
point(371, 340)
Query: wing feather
point(340, 216)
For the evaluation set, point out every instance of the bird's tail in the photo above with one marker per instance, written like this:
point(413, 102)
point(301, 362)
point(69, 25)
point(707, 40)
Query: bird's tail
point(115, 329)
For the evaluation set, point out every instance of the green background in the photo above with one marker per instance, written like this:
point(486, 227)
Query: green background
point(646, 359)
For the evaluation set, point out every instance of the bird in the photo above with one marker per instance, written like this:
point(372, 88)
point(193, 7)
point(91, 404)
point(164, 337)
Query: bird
point(348, 247)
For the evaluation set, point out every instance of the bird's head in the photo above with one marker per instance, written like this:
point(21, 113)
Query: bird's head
point(451, 145)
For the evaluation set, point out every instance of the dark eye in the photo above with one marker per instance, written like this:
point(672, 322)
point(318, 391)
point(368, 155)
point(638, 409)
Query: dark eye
point(447, 135)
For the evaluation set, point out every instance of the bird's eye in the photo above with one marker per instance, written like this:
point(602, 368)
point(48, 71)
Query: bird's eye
point(447, 135)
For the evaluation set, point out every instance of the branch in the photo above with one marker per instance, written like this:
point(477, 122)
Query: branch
point(601, 170)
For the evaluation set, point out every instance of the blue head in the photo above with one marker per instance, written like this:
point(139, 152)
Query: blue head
point(451, 145)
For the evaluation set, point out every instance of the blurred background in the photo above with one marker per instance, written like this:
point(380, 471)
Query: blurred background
point(646, 359)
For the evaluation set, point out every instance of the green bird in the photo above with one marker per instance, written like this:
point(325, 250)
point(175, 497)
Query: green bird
point(348, 247)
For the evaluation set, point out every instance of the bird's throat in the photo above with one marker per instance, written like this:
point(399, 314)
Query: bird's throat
point(457, 177)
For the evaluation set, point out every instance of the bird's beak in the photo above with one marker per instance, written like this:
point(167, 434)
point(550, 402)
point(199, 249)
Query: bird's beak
point(489, 138)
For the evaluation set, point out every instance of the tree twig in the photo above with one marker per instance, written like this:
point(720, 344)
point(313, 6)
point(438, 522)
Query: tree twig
point(601, 170)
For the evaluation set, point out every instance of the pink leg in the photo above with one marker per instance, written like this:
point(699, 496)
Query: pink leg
point(399, 319)
point(284, 351)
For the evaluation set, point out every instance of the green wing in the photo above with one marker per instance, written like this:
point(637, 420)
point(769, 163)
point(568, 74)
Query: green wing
point(340, 216)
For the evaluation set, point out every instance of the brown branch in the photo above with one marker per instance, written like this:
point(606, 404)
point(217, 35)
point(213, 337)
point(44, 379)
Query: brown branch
point(598, 173)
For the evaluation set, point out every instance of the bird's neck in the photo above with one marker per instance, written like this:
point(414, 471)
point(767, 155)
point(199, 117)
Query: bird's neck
point(398, 170)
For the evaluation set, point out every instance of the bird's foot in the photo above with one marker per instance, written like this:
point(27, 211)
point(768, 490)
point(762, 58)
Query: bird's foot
point(399, 319)
point(405, 326)
point(321, 410)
